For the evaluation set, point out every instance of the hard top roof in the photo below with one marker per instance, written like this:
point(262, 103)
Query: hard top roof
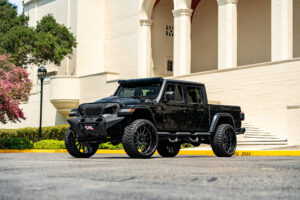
point(153, 80)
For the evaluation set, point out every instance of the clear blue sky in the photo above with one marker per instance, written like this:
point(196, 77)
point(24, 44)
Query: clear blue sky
point(17, 3)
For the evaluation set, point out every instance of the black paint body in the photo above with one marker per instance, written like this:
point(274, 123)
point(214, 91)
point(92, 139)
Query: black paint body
point(105, 119)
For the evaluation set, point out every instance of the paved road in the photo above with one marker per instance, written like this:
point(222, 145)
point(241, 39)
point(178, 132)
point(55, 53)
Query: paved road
point(59, 176)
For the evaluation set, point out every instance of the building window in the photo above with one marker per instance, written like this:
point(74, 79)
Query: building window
point(170, 65)
point(169, 31)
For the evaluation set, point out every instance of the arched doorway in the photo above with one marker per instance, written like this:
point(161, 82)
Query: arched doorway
point(253, 31)
point(162, 34)
point(204, 36)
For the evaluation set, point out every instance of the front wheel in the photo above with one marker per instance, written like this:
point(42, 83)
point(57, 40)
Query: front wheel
point(140, 139)
point(77, 148)
point(168, 149)
point(224, 141)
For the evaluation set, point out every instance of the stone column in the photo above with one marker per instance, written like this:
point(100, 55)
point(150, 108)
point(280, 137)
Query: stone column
point(182, 42)
point(227, 33)
point(282, 29)
point(145, 48)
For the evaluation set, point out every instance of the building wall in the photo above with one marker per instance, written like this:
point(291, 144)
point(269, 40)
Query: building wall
point(92, 88)
point(296, 20)
point(90, 37)
point(121, 37)
point(29, 10)
point(86, 20)
point(293, 119)
point(254, 31)
point(59, 9)
point(100, 88)
point(162, 45)
point(205, 36)
point(262, 91)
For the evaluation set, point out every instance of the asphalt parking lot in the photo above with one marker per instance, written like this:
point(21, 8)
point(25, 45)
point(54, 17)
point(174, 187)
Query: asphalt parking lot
point(115, 176)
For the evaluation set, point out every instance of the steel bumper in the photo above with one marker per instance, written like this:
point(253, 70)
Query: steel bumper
point(97, 126)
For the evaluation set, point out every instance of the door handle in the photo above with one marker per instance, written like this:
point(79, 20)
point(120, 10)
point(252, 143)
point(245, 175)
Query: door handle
point(182, 108)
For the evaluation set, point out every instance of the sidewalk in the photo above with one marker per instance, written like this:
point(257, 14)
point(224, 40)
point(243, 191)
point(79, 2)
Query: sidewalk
point(252, 147)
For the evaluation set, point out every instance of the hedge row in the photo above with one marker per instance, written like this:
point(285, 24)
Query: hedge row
point(21, 143)
point(52, 138)
point(32, 134)
point(50, 144)
point(15, 143)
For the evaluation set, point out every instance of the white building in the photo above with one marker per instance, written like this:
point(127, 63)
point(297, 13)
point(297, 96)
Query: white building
point(247, 52)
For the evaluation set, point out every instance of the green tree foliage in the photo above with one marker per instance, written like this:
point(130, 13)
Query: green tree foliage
point(49, 41)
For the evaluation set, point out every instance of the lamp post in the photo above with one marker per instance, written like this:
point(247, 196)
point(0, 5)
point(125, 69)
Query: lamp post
point(42, 72)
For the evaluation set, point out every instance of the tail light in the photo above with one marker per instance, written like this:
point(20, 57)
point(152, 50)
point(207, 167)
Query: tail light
point(242, 116)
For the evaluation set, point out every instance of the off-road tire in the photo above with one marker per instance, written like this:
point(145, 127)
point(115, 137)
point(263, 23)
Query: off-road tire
point(132, 142)
point(224, 141)
point(168, 149)
point(89, 149)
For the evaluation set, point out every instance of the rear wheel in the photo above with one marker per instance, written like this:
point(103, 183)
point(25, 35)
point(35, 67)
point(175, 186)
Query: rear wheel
point(140, 139)
point(168, 149)
point(224, 141)
point(77, 148)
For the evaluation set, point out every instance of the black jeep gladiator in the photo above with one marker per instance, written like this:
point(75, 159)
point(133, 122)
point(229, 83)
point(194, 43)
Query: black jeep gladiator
point(154, 114)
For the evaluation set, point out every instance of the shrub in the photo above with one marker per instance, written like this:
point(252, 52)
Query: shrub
point(108, 145)
point(55, 144)
point(32, 134)
point(186, 145)
point(50, 144)
point(15, 143)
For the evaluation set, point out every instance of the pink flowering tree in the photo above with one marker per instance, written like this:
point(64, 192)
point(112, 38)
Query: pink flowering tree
point(15, 88)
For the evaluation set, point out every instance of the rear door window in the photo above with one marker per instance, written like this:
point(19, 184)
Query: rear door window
point(194, 94)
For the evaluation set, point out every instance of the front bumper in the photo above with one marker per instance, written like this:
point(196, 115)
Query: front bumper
point(97, 126)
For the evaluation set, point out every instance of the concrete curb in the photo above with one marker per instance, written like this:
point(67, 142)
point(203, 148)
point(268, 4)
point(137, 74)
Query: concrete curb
point(182, 152)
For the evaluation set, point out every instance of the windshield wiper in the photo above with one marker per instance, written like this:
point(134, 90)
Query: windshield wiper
point(136, 97)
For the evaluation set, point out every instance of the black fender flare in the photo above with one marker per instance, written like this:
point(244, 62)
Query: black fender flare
point(148, 110)
point(216, 119)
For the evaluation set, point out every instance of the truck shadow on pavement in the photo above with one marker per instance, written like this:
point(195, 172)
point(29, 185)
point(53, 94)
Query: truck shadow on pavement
point(123, 157)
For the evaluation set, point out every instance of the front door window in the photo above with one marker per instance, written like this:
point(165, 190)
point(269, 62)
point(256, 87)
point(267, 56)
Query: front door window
point(174, 116)
point(178, 92)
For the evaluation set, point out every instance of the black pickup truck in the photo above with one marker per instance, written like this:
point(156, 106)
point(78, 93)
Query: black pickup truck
point(154, 114)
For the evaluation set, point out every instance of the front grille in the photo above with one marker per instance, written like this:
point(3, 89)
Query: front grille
point(90, 110)
point(110, 110)
point(97, 109)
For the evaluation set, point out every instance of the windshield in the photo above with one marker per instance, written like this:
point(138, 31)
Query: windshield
point(149, 91)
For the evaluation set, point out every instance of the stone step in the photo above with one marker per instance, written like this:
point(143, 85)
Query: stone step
point(260, 136)
point(263, 140)
point(252, 129)
point(256, 136)
point(262, 143)
point(265, 132)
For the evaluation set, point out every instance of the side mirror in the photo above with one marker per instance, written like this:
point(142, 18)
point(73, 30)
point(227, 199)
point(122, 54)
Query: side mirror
point(170, 95)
